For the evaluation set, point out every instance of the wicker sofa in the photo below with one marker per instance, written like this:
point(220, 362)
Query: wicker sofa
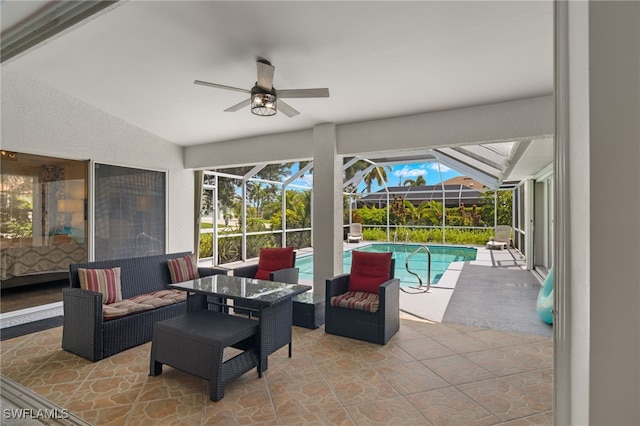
point(85, 331)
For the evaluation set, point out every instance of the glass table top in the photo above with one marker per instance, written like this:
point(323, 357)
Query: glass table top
point(239, 288)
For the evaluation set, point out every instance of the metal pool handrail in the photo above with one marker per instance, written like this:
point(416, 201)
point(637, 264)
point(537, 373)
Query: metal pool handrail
point(406, 264)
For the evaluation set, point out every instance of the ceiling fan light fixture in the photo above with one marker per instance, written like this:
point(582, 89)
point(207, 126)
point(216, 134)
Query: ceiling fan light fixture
point(263, 103)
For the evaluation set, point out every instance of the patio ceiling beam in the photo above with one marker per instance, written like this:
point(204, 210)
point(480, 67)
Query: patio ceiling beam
point(471, 161)
point(485, 155)
point(48, 23)
point(358, 177)
point(221, 174)
point(518, 153)
point(482, 177)
point(299, 173)
point(251, 173)
point(351, 162)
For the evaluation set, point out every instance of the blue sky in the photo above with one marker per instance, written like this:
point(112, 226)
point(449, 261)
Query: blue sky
point(400, 173)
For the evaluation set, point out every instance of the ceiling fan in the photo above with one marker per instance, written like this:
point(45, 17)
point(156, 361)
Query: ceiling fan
point(264, 99)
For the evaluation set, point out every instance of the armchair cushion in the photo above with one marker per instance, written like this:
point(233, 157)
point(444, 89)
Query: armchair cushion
point(183, 268)
point(369, 270)
point(361, 300)
point(273, 259)
point(105, 281)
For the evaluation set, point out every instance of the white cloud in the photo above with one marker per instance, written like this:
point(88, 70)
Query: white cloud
point(305, 179)
point(443, 168)
point(411, 172)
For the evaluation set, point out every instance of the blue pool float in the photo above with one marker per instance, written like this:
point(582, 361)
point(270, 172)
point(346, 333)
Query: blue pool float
point(545, 299)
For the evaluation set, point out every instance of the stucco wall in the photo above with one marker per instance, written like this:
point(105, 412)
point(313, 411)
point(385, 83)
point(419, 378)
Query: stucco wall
point(37, 119)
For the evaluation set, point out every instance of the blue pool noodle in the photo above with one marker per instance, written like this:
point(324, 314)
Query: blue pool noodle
point(545, 299)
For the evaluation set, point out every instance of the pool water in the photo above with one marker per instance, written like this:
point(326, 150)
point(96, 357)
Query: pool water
point(441, 258)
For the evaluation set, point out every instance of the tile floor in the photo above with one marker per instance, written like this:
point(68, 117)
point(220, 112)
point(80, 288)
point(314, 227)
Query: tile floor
point(428, 374)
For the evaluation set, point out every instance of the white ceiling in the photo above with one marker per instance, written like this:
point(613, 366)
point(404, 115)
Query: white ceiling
point(138, 60)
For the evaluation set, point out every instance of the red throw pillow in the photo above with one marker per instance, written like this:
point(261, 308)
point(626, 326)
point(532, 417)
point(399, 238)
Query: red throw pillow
point(369, 270)
point(105, 281)
point(273, 259)
point(183, 268)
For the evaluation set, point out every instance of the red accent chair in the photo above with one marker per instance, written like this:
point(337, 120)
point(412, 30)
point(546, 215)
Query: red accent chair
point(274, 264)
point(364, 304)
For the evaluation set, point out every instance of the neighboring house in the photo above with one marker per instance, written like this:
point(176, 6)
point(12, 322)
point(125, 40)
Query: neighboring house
point(460, 190)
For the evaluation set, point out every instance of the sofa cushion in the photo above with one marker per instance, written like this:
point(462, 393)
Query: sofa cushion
point(110, 312)
point(273, 259)
point(183, 268)
point(369, 270)
point(171, 294)
point(124, 307)
point(362, 300)
point(142, 302)
point(105, 281)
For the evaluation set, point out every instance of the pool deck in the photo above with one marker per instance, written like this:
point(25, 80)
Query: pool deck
point(432, 305)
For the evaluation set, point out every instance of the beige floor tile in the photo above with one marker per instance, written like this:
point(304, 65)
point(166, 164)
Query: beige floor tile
point(498, 362)
point(302, 396)
point(394, 411)
point(503, 399)
point(338, 417)
point(425, 348)
point(411, 377)
point(537, 384)
point(457, 370)
point(330, 380)
point(449, 406)
point(246, 401)
point(355, 386)
point(461, 343)
point(544, 419)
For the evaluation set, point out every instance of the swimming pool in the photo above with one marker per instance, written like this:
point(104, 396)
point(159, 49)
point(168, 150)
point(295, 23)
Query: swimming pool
point(441, 258)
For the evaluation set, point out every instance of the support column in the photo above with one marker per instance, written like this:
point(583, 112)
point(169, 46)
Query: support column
point(327, 206)
point(597, 206)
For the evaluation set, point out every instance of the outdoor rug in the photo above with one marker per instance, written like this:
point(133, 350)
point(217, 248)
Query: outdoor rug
point(30, 327)
point(498, 299)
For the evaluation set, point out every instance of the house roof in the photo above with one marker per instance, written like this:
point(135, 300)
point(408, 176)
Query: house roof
point(454, 193)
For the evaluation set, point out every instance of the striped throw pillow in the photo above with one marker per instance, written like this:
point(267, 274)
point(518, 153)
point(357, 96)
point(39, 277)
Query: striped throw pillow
point(105, 281)
point(183, 269)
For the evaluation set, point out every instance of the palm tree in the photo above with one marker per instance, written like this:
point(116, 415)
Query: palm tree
point(377, 174)
point(418, 181)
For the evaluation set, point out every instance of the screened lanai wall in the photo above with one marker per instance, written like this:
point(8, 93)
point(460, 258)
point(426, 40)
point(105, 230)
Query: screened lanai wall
point(243, 209)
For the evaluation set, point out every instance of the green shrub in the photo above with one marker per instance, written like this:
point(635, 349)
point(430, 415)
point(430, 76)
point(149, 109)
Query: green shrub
point(371, 215)
point(206, 245)
point(374, 234)
point(229, 249)
point(432, 235)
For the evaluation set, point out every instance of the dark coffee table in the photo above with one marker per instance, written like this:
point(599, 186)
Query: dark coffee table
point(308, 310)
point(273, 301)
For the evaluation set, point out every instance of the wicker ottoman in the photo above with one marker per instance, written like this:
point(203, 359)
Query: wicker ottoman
point(195, 343)
point(308, 310)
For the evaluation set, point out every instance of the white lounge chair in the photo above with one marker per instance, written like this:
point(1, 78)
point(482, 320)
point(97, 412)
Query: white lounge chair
point(355, 233)
point(501, 238)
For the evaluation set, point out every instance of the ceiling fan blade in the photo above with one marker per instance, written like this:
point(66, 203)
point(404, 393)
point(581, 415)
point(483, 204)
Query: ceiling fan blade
point(287, 109)
point(221, 86)
point(304, 93)
point(265, 75)
point(238, 106)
